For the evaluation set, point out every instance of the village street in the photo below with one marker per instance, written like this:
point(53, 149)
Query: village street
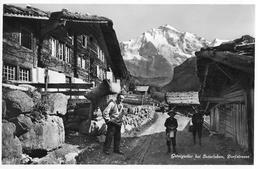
point(149, 147)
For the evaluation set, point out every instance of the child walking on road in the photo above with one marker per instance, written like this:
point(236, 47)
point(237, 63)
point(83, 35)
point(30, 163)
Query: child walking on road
point(171, 125)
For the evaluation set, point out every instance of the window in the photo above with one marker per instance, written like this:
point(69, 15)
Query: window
point(67, 54)
point(84, 40)
point(9, 72)
point(79, 61)
point(98, 51)
point(60, 51)
point(98, 71)
point(100, 54)
point(24, 74)
point(70, 55)
point(101, 73)
point(71, 39)
point(26, 38)
point(82, 62)
point(104, 74)
point(53, 47)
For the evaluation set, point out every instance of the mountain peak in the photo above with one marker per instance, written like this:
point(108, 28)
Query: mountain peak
point(157, 51)
point(169, 27)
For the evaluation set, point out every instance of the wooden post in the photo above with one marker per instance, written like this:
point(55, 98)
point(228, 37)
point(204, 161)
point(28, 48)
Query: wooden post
point(75, 53)
point(46, 79)
point(205, 79)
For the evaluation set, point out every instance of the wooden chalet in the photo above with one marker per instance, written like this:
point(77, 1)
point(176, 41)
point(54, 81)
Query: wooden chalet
point(59, 47)
point(21, 33)
point(182, 98)
point(143, 90)
point(182, 101)
point(226, 73)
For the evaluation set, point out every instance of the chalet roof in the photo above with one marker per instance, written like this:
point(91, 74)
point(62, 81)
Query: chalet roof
point(182, 98)
point(116, 60)
point(238, 54)
point(226, 68)
point(28, 12)
point(77, 22)
point(64, 14)
point(142, 88)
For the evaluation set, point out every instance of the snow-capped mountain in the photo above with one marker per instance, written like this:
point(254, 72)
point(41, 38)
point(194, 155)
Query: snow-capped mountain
point(217, 42)
point(156, 52)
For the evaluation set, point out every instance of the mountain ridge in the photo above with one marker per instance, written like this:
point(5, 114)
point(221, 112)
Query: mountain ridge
point(156, 52)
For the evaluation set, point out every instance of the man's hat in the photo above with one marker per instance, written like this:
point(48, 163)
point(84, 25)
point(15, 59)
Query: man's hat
point(171, 112)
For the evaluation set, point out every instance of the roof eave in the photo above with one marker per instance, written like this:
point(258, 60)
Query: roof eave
point(241, 62)
point(26, 16)
point(84, 21)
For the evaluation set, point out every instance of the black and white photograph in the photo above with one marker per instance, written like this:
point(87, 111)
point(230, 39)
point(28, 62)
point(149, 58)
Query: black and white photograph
point(150, 83)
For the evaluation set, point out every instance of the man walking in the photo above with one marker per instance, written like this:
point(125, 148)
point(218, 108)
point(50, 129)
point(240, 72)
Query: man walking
point(197, 120)
point(113, 114)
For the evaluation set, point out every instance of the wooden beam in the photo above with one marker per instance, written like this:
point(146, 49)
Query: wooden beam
point(62, 85)
point(211, 99)
point(207, 106)
point(222, 99)
point(70, 93)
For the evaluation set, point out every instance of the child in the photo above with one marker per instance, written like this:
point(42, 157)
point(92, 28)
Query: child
point(171, 125)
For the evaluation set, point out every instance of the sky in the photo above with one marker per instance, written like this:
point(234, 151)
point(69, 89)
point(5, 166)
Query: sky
point(226, 21)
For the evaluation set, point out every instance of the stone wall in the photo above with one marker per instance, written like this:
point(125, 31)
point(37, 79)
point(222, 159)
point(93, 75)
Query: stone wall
point(31, 122)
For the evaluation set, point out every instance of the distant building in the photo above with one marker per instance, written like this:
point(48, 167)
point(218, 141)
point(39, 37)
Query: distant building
point(141, 90)
point(184, 102)
point(68, 47)
point(226, 73)
point(182, 98)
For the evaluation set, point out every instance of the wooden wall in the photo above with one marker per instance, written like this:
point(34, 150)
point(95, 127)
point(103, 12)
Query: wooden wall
point(230, 119)
point(40, 54)
point(90, 73)
point(13, 52)
point(54, 63)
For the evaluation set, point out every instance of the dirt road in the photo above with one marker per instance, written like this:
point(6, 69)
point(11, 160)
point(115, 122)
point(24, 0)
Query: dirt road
point(149, 147)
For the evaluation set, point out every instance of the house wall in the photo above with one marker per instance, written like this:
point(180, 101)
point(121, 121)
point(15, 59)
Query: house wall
point(53, 63)
point(96, 68)
point(214, 119)
point(39, 57)
point(54, 77)
point(77, 80)
point(230, 119)
point(14, 53)
point(38, 75)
